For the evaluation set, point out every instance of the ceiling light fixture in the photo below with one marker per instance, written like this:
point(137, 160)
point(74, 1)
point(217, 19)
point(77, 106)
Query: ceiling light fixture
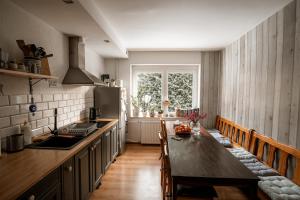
point(106, 41)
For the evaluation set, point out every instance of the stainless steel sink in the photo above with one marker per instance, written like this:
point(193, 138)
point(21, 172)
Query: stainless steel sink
point(57, 142)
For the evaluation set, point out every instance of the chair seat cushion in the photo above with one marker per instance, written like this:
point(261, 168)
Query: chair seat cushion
point(216, 134)
point(279, 188)
point(241, 153)
point(260, 169)
point(196, 191)
point(249, 160)
point(224, 141)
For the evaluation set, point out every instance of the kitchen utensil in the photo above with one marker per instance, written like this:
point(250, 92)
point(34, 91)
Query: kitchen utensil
point(93, 114)
point(15, 143)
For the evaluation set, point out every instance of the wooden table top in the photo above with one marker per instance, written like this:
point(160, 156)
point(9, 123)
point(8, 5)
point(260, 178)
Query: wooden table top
point(20, 171)
point(202, 157)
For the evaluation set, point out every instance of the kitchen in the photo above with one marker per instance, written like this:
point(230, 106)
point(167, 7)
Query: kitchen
point(93, 75)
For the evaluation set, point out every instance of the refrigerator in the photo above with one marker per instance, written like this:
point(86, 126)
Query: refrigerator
point(111, 101)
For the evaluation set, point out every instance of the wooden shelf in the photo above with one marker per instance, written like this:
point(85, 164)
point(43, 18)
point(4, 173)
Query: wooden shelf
point(25, 74)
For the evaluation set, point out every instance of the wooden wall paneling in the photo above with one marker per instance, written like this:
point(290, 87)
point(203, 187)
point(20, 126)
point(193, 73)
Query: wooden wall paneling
point(229, 83)
point(271, 75)
point(258, 78)
point(247, 80)
point(206, 86)
point(278, 64)
point(264, 77)
point(241, 82)
point(234, 79)
point(294, 137)
point(253, 74)
point(216, 77)
point(211, 93)
point(287, 72)
point(225, 83)
point(224, 63)
point(219, 79)
point(201, 82)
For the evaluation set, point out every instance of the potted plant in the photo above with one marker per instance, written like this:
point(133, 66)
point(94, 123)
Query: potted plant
point(136, 107)
point(160, 112)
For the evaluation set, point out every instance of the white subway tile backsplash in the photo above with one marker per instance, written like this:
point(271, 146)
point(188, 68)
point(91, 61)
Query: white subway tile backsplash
point(70, 102)
point(33, 124)
point(36, 98)
point(36, 116)
point(67, 121)
point(6, 111)
point(78, 107)
point(17, 99)
point(82, 101)
point(73, 108)
point(70, 114)
point(62, 117)
point(48, 113)
point(53, 104)
point(62, 103)
point(77, 112)
point(51, 120)
point(46, 128)
point(89, 100)
point(47, 97)
point(42, 106)
point(60, 124)
point(4, 101)
point(73, 96)
point(4, 122)
point(58, 97)
point(60, 111)
point(37, 131)
point(24, 108)
point(76, 101)
point(67, 109)
point(79, 96)
point(66, 96)
point(19, 119)
point(42, 122)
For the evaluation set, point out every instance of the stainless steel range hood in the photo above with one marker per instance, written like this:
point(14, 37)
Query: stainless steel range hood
point(76, 74)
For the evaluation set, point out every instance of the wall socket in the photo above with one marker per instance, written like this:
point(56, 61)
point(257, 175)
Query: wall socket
point(52, 83)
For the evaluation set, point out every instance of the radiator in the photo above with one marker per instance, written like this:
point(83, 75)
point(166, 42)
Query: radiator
point(149, 130)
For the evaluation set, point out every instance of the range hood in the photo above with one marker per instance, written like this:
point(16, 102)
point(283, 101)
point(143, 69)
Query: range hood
point(76, 74)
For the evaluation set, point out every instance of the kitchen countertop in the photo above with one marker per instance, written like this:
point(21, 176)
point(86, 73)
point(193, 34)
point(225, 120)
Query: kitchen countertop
point(20, 171)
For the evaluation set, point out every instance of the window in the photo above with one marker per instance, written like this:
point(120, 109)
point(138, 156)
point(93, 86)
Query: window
point(151, 85)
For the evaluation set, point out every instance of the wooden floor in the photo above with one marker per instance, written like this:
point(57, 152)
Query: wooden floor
point(136, 176)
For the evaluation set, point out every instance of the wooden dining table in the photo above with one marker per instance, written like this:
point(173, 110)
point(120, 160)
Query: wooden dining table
point(200, 159)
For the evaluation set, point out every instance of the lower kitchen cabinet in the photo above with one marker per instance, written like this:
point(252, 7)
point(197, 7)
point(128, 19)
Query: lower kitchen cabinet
point(48, 188)
point(114, 143)
point(68, 179)
point(79, 176)
point(82, 175)
point(96, 161)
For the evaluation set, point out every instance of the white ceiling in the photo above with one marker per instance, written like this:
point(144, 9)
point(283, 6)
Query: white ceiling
point(154, 24)
point(185, 24)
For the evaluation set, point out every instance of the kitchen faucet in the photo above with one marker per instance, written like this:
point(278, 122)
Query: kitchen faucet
point(55, 130)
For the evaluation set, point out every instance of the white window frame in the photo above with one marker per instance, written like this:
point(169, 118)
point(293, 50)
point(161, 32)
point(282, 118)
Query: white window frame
point(165, 69)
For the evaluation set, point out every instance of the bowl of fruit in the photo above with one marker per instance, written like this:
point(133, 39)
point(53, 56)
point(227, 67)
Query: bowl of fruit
point(183, 130)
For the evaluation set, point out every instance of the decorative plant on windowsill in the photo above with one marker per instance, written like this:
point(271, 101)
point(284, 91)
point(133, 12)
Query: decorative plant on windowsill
point(136, 106)
point(145, 104)
point(194, 117)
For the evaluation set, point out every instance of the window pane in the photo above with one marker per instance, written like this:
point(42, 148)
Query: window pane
point(180, 87)
point(149, 84)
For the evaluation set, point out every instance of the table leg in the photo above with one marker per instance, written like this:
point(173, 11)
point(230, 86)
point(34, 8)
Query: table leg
point(174, 189)
point(253, 192)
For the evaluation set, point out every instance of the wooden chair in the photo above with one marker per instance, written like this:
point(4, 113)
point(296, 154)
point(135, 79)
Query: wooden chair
point(164, 132)
point(161, 158)
point(262, 145)
point(240, 137)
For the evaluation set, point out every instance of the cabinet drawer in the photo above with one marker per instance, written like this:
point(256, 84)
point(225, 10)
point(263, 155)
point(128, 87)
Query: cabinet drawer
point(49, 186)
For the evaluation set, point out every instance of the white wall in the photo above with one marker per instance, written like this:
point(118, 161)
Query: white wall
point(72, 101)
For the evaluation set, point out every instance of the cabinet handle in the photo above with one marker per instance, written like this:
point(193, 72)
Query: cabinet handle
point(69, 169)
point(32, 197)
point(92, 148)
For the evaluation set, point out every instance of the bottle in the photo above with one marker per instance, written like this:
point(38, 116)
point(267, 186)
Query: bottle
point(26, 130)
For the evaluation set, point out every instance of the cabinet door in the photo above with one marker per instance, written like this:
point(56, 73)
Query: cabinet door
point(108, 150)
point(96, 156)
point(114, 147)
point(68, 180)
point(52, 193)
point(82, 175)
